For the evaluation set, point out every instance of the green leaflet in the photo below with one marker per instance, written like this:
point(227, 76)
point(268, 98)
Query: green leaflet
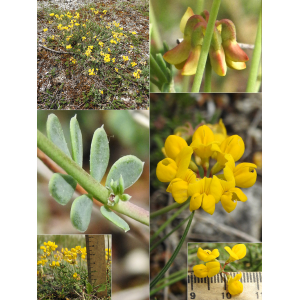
point(55, 134)
point(130, 167)
point(62, 187)
point(81, 211)
point(99, 154)
point(111, 216)
point(101, 288)
point(76, 141)
point(89, 288)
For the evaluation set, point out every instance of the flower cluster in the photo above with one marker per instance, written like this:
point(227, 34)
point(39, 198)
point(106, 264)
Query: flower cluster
point(224, 50)
point(213, 266)
point(209, 188)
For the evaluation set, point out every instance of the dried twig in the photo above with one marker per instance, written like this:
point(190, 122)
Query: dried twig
point(58, 52)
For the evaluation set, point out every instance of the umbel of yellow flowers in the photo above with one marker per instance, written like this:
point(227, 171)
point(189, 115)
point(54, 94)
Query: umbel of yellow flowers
point(213, 266)
point(208, 142)
point(224, 50)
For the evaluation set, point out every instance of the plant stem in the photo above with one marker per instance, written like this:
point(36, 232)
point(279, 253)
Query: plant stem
point(156, 70)
point(166, 236)
point(175, 274)
point(93, 187)
point(164, 225)
point(199, 7)
point(255, 60)
point(205, 47)
point(168, 264)
point(155, 31)
point(176, 279)
point(185, 83)
point(207, 78)
point(164, 210)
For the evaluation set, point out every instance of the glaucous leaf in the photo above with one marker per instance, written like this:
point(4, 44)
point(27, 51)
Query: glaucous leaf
point(76, 141)
point(55, 134)
point(81, 211)
point(62, 187)
point(129, 166)
point(114, 218)
point(99, 154)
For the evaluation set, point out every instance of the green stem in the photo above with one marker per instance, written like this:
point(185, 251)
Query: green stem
point(185, 83)
point(207, 78)
point(175, 274)
point(166, 236)
point(168, 264)
point(205, 46)
point(182, 276)
point(164, 210)
point(255, 60)
point(199, 7)
point(93, 187)
point(164, 225)
point(155, 31)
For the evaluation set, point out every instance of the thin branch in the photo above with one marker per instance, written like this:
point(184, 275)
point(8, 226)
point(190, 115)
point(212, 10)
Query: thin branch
point(58, 52)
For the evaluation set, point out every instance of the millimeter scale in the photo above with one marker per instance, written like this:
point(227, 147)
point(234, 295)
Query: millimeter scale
point(215, 288)
point(96, 262)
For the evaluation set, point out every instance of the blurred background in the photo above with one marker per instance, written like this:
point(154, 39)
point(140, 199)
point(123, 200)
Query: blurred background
point(244, 15)
point(252, 262)
point(241, 114)
point(128, 133)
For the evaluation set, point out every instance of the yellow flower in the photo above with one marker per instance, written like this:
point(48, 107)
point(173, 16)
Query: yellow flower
point(125, 58)
point(69, 47)
point(133, 64)
point(91, 72)
point(75, 275)
point(113, 60)
point(116, 69)
point(168, 169)
point(202, 195)
point(234, 285)
point(207, 255)
point(101, 44)
point(51, 15)
point(237, 252)
point(133, 32)
point(83, 38)
point(219, 130)
point(210, 269)
point(204, 144)
point(245, 175)
point(101, 92)
point(45, 29)
point(173, 146)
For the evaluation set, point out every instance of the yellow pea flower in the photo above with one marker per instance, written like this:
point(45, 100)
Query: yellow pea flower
point(51, 15)
point(173, 145)
point(68, 47)
point(245, 175)
point(208, 270)
point(75, 275)
point(207, 255)
point(45, 29)
point(201, 195)
point(204, 143)
point(237, 252)
point(219, 130)
point(179, 186)
point(235, 287)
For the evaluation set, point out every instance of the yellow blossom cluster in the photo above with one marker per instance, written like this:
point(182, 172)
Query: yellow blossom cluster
point(213, 266)
point(89, 50)
point(137, 73)
point(107, 58)
point(107, 253)
point(91, 71)
point(208, 142)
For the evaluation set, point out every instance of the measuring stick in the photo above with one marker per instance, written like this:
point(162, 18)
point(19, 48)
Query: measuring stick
point(215, 288)
point(95, 248)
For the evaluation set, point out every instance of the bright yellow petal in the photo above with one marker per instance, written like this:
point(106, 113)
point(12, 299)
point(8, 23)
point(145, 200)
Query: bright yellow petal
point(200, 271)
point(178, 54)
point(196, 201)
point(179, 191)
point(235, 65)
point(191, 64)
point(173, 145)
point(232, 254)
point(227, 202)
point(240, 250)
point(245, 175)
point(233, 145)
point(183, 160)
point(208, 204)
point(166, 170)
point(213, 268)
point(216, 189)
point(238, 195)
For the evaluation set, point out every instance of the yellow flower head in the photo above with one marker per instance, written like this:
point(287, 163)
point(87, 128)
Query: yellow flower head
point(235, 287)
point(219, 131)
point(83, 38)
point(245, 175)
point(173, 145)
point(51, 15)
point(75, 275)
point(237, 252)
point(133, 32)
point(68, 47)
point(207, 255)
point(208, 270)
point(45, 29)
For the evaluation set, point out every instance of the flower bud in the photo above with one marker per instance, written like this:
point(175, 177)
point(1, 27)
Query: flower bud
point(166, 170)
point(230, 45)
point(245, 175)
point(189, 12)
point(173, 145)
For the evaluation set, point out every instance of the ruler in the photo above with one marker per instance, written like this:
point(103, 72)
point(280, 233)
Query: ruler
point(95, 248)
point(215, 288)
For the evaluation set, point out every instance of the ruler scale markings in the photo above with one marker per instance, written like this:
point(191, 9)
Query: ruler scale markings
point(257, 281)
point(260, 277)
point(250, 277)
point(189, 278)
point(195, 279)
point(192, 283)
point(247, 277)
point(198, 279)
point(244, 277)
point(214, 279)
point(208, 284)
point(254, 279)
point(201, 279)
